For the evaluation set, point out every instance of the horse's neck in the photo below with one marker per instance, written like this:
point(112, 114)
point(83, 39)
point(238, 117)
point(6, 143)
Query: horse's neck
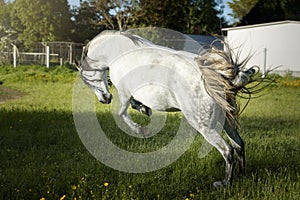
point(109, 47)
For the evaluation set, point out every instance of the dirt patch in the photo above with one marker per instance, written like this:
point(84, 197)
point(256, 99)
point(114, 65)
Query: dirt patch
point(7, 94)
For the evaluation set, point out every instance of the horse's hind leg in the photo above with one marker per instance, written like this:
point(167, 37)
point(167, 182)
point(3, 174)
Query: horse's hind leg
point(215, 139)
point(237, 143)
point(212, 136)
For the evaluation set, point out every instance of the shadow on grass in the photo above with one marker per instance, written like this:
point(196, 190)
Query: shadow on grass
point(39, 150)
point(42, 156)
point(272, 144)
point(262, 124)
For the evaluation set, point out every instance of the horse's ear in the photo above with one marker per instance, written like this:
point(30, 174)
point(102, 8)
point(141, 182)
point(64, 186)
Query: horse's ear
point(77, 64)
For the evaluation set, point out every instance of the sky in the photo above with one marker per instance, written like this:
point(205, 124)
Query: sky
point(227, 10)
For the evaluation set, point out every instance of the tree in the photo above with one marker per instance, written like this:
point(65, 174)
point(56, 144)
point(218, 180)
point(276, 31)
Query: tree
point(187, 16)
point(291, 9)
point(262, 11)
point(272, 10)
point(41, 20)
point(171, 14)
point(86, 22)
point(241, 8)
point(192, 12)
point(7, 34)
point(209, 22)
point(115, 14)
point(181, 15)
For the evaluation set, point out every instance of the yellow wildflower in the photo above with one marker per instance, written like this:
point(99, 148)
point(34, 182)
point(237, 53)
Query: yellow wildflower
point(73, 187)
point(106, 184)
point(63, 197)
point(42, 198)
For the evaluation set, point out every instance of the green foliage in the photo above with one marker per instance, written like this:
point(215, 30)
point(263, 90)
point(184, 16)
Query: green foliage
point(41, 21)
point(26, 22)
point(291, 9)
point(209, 23)
point(288, 81)
point(7, 34)
point(86, 22)
point(116, 14)
point(162, 37)
point(188, 16)
point(65, 73)
point(43, 157)
point(165, 14)
point(241, 7)
point(263, 11)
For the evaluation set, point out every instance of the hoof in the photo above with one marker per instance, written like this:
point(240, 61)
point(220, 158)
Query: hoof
point(219, 184)
point(145, 110)
point(145, 132)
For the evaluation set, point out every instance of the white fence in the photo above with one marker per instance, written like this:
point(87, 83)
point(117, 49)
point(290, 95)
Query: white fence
point(46, 54)
point(33, 56)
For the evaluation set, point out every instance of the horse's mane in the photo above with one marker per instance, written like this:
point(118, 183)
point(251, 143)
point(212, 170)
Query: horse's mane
point(96, 40)
point(134, 38)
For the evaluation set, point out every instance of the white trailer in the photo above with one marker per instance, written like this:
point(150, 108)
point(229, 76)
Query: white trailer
point(270, 44)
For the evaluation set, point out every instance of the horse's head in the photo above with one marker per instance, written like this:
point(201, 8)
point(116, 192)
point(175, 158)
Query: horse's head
point(96, 77)
point(243, 77)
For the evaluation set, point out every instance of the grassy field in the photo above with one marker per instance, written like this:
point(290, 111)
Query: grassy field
point(42, 156)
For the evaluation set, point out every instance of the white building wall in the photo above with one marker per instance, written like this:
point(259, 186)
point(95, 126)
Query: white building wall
point(272, 44)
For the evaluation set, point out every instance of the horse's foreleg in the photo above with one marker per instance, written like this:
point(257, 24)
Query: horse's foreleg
point(126, 118)
point(237, 143)
point(124, 115)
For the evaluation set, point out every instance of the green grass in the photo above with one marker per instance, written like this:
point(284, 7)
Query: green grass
point(43, 157)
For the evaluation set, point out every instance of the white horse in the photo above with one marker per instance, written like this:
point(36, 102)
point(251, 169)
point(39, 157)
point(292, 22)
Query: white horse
point(202, 87)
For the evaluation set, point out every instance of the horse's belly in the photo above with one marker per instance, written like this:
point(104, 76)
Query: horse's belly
point(156, 97)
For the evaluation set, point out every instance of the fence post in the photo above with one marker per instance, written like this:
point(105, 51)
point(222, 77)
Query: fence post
point(47, 56)
point(14, 55)
point(265, 63)
point(71, 53)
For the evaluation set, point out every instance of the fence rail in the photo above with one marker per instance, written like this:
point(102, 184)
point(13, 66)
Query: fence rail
point(46, 54)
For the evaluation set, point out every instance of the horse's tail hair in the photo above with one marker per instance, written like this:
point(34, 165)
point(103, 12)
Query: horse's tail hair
point(225, 77)
point(216, 67)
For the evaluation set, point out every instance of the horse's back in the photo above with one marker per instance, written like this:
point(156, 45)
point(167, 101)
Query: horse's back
point(159, 77)
point(109, 45)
